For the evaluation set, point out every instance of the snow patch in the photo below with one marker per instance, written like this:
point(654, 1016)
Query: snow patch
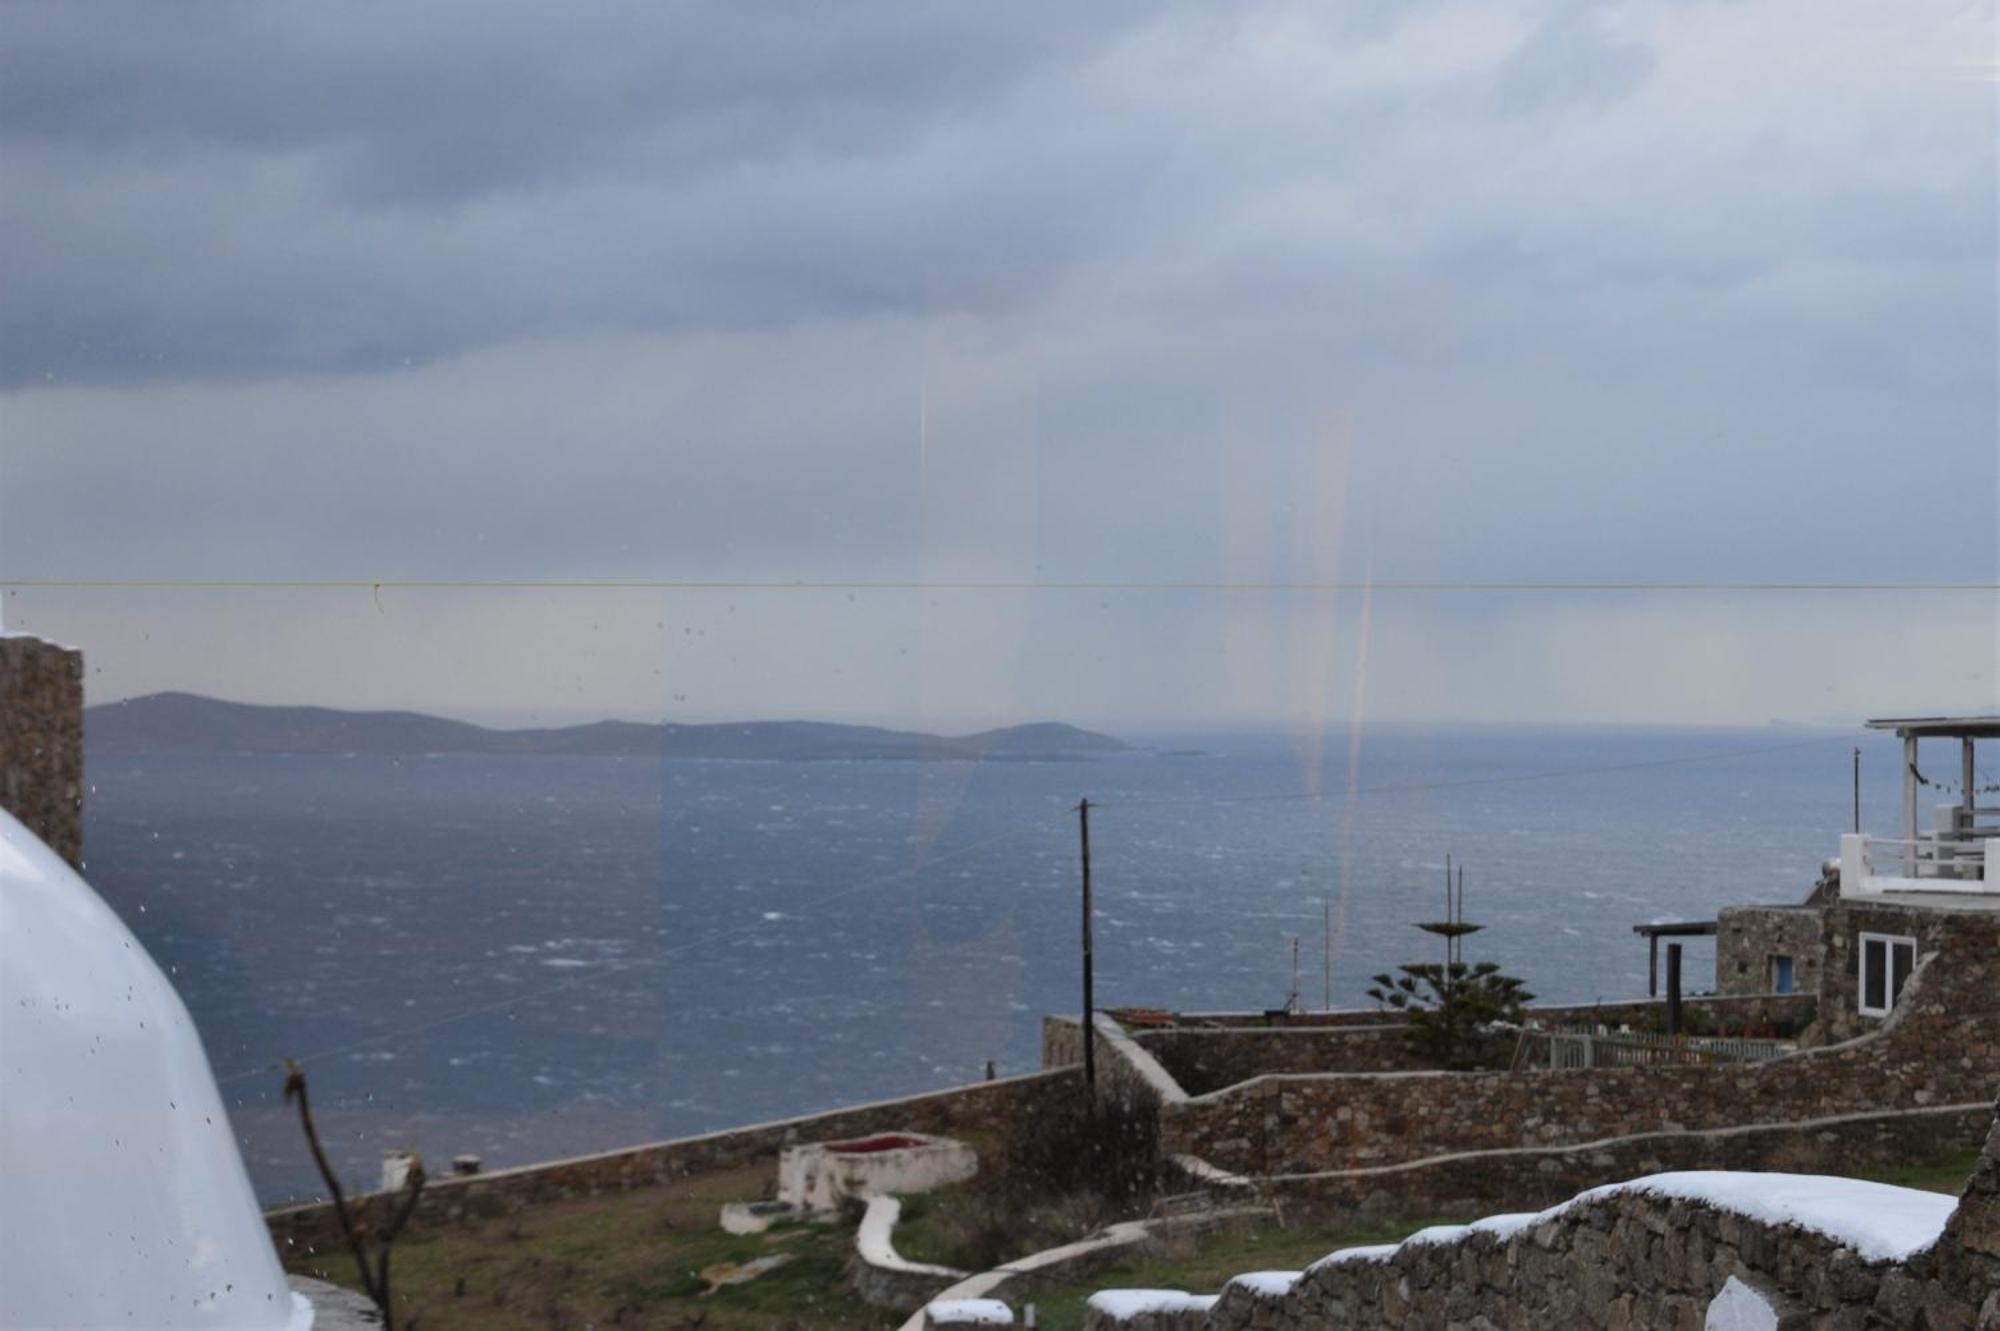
point(1139, 1302)
point(1373, 1252)
point(1437, 1234)
point(970, 1312)
point(1266, 1284)
point(1503, 1227)
point(1740, 1308)
point(1880, 1221)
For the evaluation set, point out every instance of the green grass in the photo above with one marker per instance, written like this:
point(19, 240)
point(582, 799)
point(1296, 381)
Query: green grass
point(1945, 1174)
point(633, 1259)
point(630, 1260)
point(1203, 1265)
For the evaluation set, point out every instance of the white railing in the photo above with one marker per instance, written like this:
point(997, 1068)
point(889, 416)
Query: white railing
point(1575, 1049)
point(1938, 862)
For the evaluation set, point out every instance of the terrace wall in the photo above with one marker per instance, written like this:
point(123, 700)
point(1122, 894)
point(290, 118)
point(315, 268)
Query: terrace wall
point(1612, 1264)
point(993, 1108)
point(1528, 1178)
point(1631, 1259)
point(41, 740)
point(1205, 1052)
point(1940, 1047)
point(1204, 1060)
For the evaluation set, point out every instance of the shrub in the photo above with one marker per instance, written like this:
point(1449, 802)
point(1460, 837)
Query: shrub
point(1452, 1008)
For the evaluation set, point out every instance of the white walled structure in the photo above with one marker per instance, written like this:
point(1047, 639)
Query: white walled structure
point(820, 1176)
point(123, 1200)
point(1955, 862)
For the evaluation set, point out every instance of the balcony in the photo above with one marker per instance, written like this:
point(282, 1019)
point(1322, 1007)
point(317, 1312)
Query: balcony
point(1960, 854)
point(1870, 866)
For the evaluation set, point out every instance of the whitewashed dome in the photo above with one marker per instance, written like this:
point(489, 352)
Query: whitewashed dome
point(123, 1200)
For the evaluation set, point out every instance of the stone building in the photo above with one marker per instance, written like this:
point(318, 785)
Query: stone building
point(41, 740)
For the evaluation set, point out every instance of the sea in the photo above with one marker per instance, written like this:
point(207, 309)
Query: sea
point(523, 958)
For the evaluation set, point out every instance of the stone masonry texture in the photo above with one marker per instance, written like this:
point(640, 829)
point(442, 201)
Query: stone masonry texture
point(41, 741)
point(1632, 1262)
point(1747, 938)
point(1940, 1047)
point(982, 1108)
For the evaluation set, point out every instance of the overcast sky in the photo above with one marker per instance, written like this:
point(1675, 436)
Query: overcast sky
point(1006, 294)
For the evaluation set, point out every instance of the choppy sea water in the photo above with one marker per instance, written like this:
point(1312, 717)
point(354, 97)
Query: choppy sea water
point(520, 958)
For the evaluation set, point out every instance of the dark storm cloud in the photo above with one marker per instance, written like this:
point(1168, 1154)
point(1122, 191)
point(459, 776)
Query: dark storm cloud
point(248, 188)
point(432, 103)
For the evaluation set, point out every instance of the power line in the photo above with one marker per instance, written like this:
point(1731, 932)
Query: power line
point(976, 585)
point(1460, 784)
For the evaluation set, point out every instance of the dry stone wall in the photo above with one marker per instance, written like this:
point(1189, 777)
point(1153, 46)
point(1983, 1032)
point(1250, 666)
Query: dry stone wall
point(1204, 1060)
point(1643, 1257)
point(1469, 1183)
point(1940, 1047)
point(1732, 1013)
point(1625, 1262)
point(1014, 1104)
point(41, 740)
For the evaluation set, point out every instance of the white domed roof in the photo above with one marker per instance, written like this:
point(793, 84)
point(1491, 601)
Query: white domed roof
point(123, 1201)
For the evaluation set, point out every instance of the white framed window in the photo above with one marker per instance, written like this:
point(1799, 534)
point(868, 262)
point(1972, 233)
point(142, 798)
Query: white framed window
point(1886, 963)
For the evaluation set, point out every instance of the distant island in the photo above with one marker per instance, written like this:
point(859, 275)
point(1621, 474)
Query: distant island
point(185, 723)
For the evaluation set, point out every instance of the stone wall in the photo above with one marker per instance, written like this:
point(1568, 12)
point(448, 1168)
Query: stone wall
point(1731, 1013)
point(1748, 937)
point(1841, 927)
point(1941, 1046)
point(1655, 1255)
point(1528, 1178)
point(1208, 1051)
point(1010, 1105)
point(1204, 1060)
point(1970, 1254)
point(1620, 1262)
point(1062, 1042)
point(41, 740)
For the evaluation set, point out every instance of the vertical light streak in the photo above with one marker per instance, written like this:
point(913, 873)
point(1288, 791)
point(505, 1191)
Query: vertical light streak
point(1324, 527)
point(1357, 708)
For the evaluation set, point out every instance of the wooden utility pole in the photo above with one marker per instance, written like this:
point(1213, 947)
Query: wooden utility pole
point(1326, 920)
point(1089, 1000)
point(1673, 989)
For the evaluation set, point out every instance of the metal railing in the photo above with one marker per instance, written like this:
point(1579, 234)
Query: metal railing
point(1577, 1049)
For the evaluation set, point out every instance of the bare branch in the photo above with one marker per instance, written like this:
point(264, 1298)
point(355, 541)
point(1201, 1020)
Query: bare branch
point(355, 1227)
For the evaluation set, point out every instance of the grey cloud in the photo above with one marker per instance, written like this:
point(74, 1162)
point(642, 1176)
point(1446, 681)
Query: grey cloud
point(1570, 60)
point(1474, 293)
point(235, 190)
point(432, 103)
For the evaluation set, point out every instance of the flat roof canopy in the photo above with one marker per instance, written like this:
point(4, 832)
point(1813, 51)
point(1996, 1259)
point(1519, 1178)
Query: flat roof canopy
point(1943, 727)
point(1680, 929)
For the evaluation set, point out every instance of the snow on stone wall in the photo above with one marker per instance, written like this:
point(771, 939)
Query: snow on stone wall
point(1678, 1250)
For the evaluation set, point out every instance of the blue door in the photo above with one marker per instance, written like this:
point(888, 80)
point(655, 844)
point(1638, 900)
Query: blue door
point(1781, 975)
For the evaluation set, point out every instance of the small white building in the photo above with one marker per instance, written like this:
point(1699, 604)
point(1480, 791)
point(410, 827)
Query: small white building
point(821, 1175)
point(123, 1200)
